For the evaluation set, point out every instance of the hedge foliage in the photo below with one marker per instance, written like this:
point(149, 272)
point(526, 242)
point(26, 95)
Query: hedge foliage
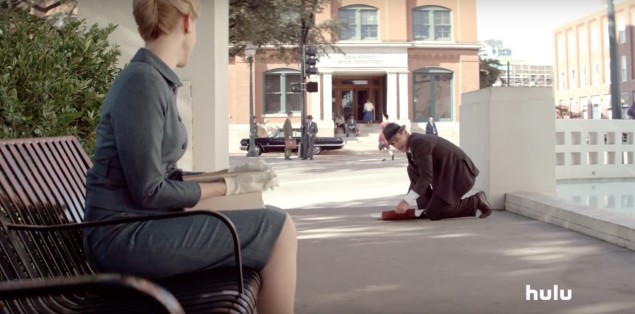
point(53, 81)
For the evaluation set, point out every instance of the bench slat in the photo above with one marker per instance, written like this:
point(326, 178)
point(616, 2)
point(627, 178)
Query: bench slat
point(42, 182)
point(33, 208)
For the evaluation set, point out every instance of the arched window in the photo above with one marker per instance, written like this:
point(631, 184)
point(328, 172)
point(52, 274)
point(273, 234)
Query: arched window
point(358, 23)
point(279, 97)
point(431, 23)
point(432, 94)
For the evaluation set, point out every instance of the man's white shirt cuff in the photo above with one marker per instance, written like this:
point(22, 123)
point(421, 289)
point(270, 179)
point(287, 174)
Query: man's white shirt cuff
point(411, 198)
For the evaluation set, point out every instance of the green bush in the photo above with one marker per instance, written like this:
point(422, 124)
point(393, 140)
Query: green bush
point(53, 81)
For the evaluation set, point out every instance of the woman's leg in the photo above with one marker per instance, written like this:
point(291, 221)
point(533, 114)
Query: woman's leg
point(277, 292)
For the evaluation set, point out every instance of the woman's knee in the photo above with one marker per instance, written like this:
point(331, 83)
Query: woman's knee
point(288, 229)
point(288, 240)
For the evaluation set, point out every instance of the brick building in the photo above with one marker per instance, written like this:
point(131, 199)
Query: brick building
point(412, 58)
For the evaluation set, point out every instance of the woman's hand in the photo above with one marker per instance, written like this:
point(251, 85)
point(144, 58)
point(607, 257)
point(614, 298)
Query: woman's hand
point(259, 165)
point(251, 182)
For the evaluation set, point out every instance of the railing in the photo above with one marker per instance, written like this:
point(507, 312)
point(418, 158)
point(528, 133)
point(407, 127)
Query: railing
point(594, 149)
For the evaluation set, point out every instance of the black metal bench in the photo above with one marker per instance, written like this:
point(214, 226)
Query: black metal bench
point(43, 268)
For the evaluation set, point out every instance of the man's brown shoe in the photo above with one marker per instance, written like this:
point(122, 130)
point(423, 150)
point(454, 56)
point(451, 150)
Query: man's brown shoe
point(483, 205)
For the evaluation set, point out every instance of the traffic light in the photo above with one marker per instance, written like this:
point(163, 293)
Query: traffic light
point(312, 87)
point(310, 57)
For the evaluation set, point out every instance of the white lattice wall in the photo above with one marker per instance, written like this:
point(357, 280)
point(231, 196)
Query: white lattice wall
point(594, 149)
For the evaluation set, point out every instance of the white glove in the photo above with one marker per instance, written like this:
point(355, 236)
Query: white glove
point(251, 182)
point(259, 165)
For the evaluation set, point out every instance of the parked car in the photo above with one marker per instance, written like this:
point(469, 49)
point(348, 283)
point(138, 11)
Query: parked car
point(275, 143)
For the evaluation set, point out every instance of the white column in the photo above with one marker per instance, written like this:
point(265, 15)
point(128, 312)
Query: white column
point(316, 106)
point(327, 95)
point(511, 152)
point(403, 96)
point(208, 72)
point(391, 96)
point(204, 95)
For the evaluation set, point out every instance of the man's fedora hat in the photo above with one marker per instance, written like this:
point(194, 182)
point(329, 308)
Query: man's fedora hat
point(391, 130)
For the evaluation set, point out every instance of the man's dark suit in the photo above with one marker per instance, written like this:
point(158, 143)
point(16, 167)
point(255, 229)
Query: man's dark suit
point(435, 161)
point(431, 128)
point(309, 139)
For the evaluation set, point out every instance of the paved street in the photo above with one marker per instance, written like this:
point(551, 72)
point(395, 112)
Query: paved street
point(349, 262)
point(331, 180)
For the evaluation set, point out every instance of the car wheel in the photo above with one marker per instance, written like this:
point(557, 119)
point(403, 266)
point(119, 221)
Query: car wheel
point(317, 150)
point(257, 149)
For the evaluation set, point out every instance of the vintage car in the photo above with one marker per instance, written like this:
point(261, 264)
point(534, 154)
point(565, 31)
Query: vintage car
point(275, 143)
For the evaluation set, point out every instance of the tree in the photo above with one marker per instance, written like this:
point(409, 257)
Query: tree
point(488, 71)
point(563, 112)
point(53, 80)
point(57, 13)
point(56, 71)
point(277, 23)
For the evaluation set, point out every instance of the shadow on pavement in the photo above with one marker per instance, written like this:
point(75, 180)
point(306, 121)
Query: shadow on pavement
point(351, 262)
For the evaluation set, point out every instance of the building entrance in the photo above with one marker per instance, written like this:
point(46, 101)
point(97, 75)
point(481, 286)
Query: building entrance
point(351, 93)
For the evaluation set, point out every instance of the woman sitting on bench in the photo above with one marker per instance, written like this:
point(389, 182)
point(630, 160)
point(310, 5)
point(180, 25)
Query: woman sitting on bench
point(140, 137)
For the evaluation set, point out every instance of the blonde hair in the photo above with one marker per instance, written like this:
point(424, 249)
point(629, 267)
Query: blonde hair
point(157, 17)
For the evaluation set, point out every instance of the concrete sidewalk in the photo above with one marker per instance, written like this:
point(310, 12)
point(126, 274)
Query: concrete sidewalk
point(350, 262)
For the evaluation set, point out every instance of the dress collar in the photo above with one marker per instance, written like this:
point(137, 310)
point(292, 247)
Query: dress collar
point(145, 55)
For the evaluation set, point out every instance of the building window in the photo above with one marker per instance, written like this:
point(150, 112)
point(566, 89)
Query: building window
point(596, 74)
point(583, 80)
point(624, 98)
point(279, 97)
point(432, 94)
point(623, 68)
point(358, 23)
point(431, 23)
point(582, 43)
point(562, 81)
point(595, 38)
point(572, 85)
point(621, 31)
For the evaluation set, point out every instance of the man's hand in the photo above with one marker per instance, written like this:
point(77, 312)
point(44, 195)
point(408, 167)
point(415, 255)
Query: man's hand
point(402, 207)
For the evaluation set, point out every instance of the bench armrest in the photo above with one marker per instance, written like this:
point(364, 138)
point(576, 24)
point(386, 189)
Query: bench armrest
point(123, 220)
point(42, 287)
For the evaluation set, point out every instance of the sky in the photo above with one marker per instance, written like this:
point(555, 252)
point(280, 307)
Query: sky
point(527, 26)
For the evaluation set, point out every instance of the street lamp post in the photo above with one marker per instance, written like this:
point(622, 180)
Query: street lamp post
point(250, 52)
point(616, 111)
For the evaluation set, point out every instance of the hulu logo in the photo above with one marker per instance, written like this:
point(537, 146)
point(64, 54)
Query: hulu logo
point(554, 294)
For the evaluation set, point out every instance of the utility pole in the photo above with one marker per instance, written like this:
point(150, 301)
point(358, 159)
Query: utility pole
point(508, 74)
point(305, 32)
point(616, 108)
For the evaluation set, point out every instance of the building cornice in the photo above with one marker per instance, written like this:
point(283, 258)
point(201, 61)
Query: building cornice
point(379, 44)
point(415, 44)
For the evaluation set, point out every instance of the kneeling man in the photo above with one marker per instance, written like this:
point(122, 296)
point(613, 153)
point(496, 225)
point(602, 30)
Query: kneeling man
point(440, 174)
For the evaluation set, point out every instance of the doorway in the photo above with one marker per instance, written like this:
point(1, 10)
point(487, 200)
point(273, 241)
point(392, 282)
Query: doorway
point(351, 93)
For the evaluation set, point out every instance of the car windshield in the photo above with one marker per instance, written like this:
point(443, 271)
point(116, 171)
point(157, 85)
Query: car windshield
point(278, 133)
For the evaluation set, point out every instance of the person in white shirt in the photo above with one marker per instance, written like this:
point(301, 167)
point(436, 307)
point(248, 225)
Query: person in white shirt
point(368, 112)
